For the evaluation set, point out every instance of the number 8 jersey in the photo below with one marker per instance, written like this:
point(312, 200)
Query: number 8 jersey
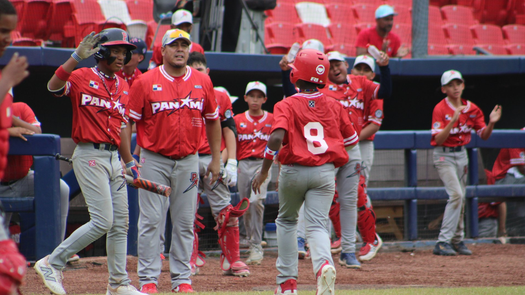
point(317, 130)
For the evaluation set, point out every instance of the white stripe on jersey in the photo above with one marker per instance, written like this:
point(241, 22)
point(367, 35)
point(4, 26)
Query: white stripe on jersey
point(135, 115)
point(213, 115)
point(351, 140)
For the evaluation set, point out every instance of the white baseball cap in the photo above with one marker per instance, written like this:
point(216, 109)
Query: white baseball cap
point(335, 55)
point(449, 76)
point(222, 89)
point(256, 85)
point(313, 44)
point(365, 59)
point(181, 16)
point(384, 11)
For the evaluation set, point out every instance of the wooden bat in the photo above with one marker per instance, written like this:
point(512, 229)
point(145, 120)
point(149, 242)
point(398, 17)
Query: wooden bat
point(148, 185)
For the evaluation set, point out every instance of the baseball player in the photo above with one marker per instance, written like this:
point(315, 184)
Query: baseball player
point(314, 133)
point(99, 99)
point(130, 71)
point(253, 127)
point(452, 121)
point(168, 104)
point(183, 20)
point(219, 195)
point(12, 263)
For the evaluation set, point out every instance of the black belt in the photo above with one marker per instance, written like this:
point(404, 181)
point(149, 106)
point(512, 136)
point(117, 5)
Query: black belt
point(8, 182)
point(452, 149)
point(252, 158)
point(201, 154)
point(175, 158)
point(105, 146)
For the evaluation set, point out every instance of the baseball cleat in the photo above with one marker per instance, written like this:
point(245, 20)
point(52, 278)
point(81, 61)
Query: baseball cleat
point(336, 246)
point(124, 290)
point(73, 258)
point(264, 244)
point(444, 249)
point(256, 255)
point(183, 288)
point(52, 277)
point(461, 248)
point(150, 288)
point(326, 280)
point(288, 287)
point(194, 269)
point(301, 251)
point(238, 269)
point(367, 252)
point(348, 260)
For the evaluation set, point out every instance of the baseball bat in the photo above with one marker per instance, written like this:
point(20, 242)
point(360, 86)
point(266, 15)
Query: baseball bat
point(149, 185)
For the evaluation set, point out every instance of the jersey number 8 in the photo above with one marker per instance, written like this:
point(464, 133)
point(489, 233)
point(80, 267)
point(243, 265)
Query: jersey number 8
point(322, 146)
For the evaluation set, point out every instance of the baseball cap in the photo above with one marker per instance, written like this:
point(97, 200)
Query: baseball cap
point(335, 55)
point(365, 59)
point(256, 85)
point(141, 45)
point(174, 34)
point(224, 90)
point(181, 16)
point(449, 76)
point(313, 44)
point(384, 11)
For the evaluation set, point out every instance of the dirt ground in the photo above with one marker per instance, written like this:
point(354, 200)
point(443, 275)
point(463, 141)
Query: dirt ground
point(490, 265)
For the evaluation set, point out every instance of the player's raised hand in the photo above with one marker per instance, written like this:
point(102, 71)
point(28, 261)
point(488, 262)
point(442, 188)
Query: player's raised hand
point(20, 132)
point(495, 115)
point(284, 64)
point(15, 71)
point(384, 60)
point(455, 117)
point(85, 48)
point(258, 181)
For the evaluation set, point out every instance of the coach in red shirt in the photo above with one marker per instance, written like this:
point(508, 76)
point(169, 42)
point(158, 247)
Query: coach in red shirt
point(381, 36)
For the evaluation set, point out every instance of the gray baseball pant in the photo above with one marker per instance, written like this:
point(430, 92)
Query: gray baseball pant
point(347, 181)
point(182, 176)
point(99, 175)
point(315, 187)
point(218, 194)
point(367, 156)
point(452, 168)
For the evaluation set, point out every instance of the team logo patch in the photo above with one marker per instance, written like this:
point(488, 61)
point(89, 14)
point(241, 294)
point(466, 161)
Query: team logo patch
point(123, 185)
point(447, 117)
point(228, 114)
point(359, 89)
point(198, 87)
point(242, 124)
point(436, 125)
point(522, 155)
point(194, 179)
point(93, 84)
point(125, 92)
point(157, 87)
point(332, 87)
point(268, 125)
point(92, 163)
point(320, 69)
point(357, 170)
point(379, 113)
point(472, 116)
point(142, 160)
point(311, 103)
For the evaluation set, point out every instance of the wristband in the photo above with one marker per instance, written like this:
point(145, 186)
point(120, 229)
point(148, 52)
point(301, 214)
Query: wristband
point(270, 154)
point(62, 74)
point(130, 164)
point(76, 57)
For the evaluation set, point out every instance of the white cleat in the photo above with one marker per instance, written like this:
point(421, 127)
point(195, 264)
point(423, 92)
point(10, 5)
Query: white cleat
point(124, 290)
point(52, 277)
point(326, 280)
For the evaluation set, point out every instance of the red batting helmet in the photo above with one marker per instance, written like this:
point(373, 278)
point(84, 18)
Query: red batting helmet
point(310, 65)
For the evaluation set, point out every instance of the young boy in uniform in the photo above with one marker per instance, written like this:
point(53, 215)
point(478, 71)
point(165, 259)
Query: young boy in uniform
point(315, 133)
point(130, 71)
point(452, 121)
point(253, 128)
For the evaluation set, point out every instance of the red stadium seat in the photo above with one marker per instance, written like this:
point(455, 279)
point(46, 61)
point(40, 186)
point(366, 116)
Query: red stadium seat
point(514, 34)
point(340, 13)
point(394, 3)
point(279, 37)
point(151, 38)
point(18, 40)
point(88, 17)
point(342, 33)
point(346, 49)
point(434, 16)
point(457, 14)
point(494, 49)
point(458, 34)
point(492, 11)
point(60, 22)
point(33, 22)
point(347, 2)
point(487, 34)
point(404, 31)
point(404, 14)
point(304, 32)
point(461, 49)
point(364, 12)
point(436, 35)
point(284, 12)
point(440, 3)
point(140, 10)
point(517, 13)
point(516, 49)
point(437, 49)
point(19, 6)
point(361, 26)
point(313, 1)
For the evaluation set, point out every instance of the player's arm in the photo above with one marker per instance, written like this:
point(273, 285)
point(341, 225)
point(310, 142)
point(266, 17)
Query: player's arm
point(84, 50)
point(213, 132)
point(12, 74)
point(385, 88)
point(125, 144)
point(288, 87)
point(442, 136)
point(17, 122)
point(368, 131)
point(494, 117)
point(270, 152)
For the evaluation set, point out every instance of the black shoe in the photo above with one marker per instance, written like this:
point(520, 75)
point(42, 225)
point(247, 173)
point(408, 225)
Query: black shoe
point(461, 248)
point(444, 249)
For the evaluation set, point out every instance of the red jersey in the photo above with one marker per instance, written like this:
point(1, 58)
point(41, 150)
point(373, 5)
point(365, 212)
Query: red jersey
point(486, 210)
point(370, 36)
point(252, 134)
point(317, 130)
point(5, 122)
point(129, 78)
point(19, 165)
point(507, 158)
point(169, 111)
point(156, 56)
point(470, 118)
point(224, 105)
point(99, 106)
point(375, 115)
point(354, 96)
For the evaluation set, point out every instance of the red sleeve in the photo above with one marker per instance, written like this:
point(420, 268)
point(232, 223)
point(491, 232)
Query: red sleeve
point(136, 100)
point(226, 110)
point(437, 122)
point(25, 113)
point(371, 88)
point(281, 116)
point(156, 56)
point(517, 157)
point(362, 39)
point(210, 110)
point(350, 136)
point(479, 121)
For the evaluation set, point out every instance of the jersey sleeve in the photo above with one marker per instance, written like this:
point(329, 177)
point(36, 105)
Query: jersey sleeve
point(350, 136)
point(375, 112)
point(517, 157)
point(226, 109)
point(136, 100)
point(71, 85)
point(210, 111)
point(479, 121)
point(27, 115)
point(437, 121)
point(370, 88)
point(362, 39)
point(281, 116)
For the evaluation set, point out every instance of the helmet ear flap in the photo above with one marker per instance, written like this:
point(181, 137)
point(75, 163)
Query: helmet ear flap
point(128, 57)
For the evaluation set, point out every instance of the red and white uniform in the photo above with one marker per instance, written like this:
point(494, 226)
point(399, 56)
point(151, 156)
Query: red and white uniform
point(375, 115)
point(507, 158)
point(370, 36)
point(5, 122)
point(313, 138)
point(354, 96)
point(470, 118)
point(252, 134)
point(129, 78)
point(156, 56)
point(97, 116)
point(224, 105)
point(19, 165)
point(178, 104)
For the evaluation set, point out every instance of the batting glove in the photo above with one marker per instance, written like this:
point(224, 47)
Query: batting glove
point(85, 48)
point(132, 170)
point(231, 168)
